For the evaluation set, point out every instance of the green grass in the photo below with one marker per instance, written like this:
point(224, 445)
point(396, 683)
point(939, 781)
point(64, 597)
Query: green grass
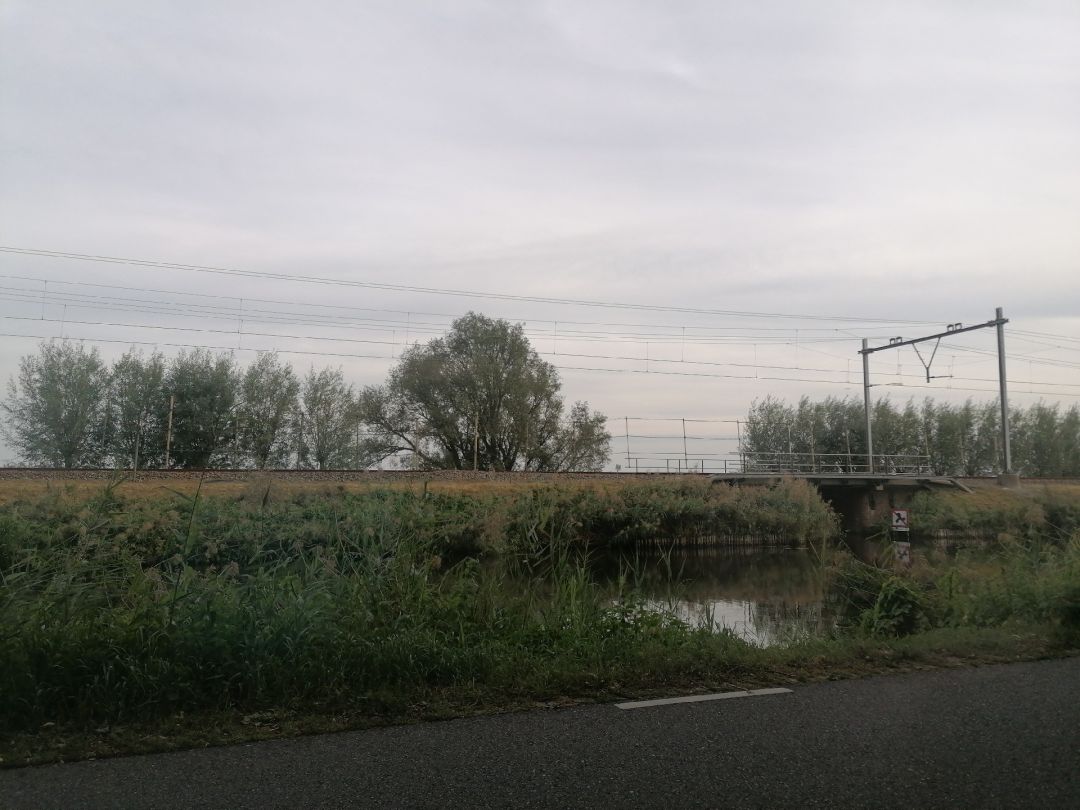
point(116, 609)
point(1028, 582)
point(129, 614)
point(1032, 511)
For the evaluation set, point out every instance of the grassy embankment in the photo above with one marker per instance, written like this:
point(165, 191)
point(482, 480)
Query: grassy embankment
point(1025, 570)
point(1031, 512)
point(130, 623)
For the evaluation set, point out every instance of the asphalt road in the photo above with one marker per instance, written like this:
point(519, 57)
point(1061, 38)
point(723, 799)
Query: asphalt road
point(1003, 736)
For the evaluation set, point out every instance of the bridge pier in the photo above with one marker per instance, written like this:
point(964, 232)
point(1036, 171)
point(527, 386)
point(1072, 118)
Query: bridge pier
point(1009, 480)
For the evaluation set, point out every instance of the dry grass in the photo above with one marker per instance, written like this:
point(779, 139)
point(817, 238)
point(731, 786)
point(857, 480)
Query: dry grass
point(12, 490)
point(994, 498)
point(986, 494)
point(1028, 487)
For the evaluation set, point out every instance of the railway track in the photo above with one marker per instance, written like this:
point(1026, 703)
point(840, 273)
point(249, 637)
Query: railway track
point(227, 474)
point(220, 474)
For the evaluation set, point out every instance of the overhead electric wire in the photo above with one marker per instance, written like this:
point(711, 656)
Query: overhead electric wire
point(157, 343)
point(1046, 361)
point(308, 279)
point(421, 327)
point(579, 355)
point(1055, 346)
point(559, 367)
point(196, 329)
point(113, 324)
point(427, 329)
point(250, 315)
point(232, 317)
point(798, 379)
point(245, 299)
point(1071, 338)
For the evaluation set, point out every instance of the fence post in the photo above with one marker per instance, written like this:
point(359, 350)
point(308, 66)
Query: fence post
point(300, 440)
point(168, 431)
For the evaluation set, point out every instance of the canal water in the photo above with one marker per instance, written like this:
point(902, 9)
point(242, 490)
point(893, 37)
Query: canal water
point(766, 595)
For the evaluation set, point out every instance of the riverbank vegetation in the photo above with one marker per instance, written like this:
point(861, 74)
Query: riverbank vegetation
point(1034, 511)
point(132, 623)
point(115, 610)
point(1015, 584)
point(1018, 563)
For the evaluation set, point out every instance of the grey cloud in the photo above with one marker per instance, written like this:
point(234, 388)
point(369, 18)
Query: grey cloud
point(827, 157)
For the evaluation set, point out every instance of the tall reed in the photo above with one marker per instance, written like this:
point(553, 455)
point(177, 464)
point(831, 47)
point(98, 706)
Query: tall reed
point(111, 610)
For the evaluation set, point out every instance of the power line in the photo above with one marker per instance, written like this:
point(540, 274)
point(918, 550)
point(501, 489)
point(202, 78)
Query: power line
point(195, 329)
point(1072, 338)
point(803, 380)
point(421, 327)
point(34, 295)
point(1045, 361)
point(385, 358)
point(1055, 346)
point(229, 349)
point(308, 279)
point(578, 355)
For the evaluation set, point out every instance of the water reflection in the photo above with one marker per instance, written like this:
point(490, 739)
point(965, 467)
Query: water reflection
point(764, 595)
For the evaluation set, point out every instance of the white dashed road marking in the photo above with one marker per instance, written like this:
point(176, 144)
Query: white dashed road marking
point(642, 704)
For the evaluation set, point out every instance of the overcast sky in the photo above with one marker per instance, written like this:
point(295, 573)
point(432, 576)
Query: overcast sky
point(906, 161)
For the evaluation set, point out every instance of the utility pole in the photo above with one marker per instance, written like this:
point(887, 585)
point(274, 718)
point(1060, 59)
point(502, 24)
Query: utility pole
point(738, 443)
point(300, 440)
point(684, 455)
point(476, 442)
point(168, 431)
point(626, 422)
point(866, 403)
point(1004, 396)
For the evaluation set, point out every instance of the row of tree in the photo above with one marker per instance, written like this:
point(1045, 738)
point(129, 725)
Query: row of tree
point(960, 440)
point(479, 397)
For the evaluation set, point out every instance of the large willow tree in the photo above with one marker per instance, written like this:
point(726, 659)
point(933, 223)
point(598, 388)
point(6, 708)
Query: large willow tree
point(480, 397)
point(57, 409)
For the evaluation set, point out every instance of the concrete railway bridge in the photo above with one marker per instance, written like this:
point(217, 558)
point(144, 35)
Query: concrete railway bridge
point(863, 493)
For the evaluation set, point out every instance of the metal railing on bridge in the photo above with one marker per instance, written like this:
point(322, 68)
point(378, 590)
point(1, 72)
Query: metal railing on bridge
point(834, 463)
point(782, 464)
point(683, 464)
